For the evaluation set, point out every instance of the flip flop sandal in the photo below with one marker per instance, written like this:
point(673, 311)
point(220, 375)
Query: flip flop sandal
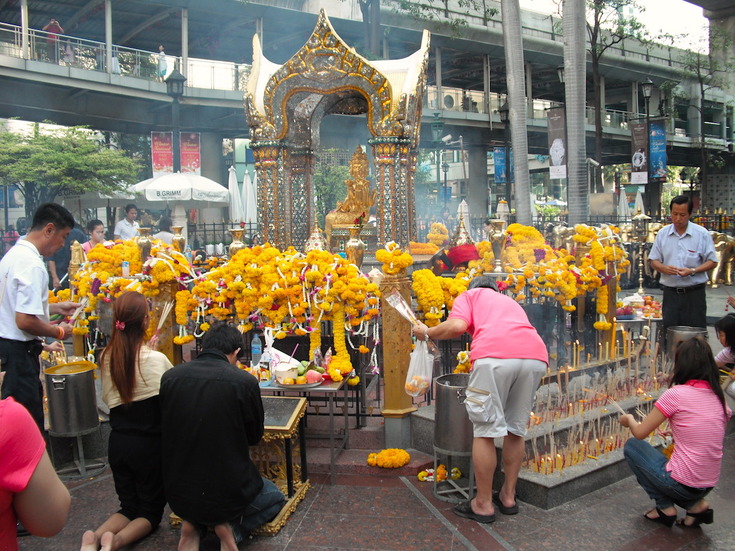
point(512, 510)
point(662, 518)
point(464, 510)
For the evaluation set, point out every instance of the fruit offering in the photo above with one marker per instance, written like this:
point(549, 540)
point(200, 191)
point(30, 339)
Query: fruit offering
point(417, 386)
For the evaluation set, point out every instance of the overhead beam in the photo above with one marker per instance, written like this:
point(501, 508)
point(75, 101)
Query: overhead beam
point(147, 23)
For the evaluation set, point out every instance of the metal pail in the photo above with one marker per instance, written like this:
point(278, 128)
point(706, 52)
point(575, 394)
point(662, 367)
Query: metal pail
point(680, 333)
point(72, 401)
point(452, 426)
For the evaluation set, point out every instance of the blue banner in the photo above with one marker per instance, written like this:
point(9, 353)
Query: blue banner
point(657, 151)
point(503, 166)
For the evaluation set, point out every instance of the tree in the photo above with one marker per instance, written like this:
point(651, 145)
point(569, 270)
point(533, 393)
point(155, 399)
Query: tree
point(47, 161)
point(329, 188)
point(706, 69)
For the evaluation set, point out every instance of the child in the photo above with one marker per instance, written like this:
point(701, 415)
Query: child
point(131, 379)
point(697, 413)
point(725, 328)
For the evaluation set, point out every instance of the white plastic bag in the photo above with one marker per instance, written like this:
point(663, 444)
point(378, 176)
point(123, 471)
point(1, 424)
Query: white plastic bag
point(420, 370)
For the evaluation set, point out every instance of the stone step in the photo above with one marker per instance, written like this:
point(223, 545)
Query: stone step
point(354, 462)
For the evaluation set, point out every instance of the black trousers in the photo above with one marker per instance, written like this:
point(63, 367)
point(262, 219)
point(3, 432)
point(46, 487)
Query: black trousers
point(688, 309)
point(22, 375)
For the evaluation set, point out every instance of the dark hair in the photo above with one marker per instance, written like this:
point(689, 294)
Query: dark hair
point(92, 224)
point(129, 207)
point(694, 361)
point(682, 200)
point(164, 224)
point(223, 337)
point(484, 281)
point(726, 325)
point(52, 213)
point(128, 332)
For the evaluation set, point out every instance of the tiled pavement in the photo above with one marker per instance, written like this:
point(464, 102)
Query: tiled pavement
point(373, 512)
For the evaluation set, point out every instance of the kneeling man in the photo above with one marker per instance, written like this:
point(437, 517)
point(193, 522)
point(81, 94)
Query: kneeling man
point(211, 412)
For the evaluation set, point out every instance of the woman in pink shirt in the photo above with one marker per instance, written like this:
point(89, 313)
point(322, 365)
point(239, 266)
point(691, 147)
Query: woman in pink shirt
point(697, 413)
point(508, 361)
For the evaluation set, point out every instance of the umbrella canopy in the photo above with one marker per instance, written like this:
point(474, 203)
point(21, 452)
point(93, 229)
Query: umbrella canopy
point(237, 212)
point(623, 207)
point(556, 203)
point(250, 203)
point(182, 187)
point(639, 207)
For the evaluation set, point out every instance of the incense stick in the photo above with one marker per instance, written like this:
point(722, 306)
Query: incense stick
point(165, 311)
point(608, 398)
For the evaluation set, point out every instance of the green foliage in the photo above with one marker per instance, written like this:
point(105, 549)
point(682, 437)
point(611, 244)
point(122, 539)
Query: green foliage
point(438, 11)
point(329, 188)
point(547, 211)
point(45, 163)
point(606, 26)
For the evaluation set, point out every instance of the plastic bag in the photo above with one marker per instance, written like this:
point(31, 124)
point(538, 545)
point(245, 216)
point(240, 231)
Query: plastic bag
point(420, 370)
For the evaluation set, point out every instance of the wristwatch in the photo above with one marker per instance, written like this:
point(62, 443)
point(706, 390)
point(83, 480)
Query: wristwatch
point(694, 271)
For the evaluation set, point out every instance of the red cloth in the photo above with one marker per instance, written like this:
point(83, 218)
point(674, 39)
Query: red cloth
point(462, 254)
point(21, 448)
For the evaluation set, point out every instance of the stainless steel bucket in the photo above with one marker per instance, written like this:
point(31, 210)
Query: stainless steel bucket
point(680, 333)
point(72, 401)
point(452, 426)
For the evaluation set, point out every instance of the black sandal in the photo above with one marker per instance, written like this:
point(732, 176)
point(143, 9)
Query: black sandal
point(704, 517)
point(662, 518)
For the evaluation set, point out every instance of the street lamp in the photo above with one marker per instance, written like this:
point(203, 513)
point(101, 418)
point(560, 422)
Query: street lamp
point(560, 73)
point(504, 112)
point(647, 89)
point(445, 189)
point(175, 89)
point(437, 128)
point(640, 230)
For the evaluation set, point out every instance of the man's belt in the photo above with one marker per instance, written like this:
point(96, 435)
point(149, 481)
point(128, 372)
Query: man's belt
point(682, 290)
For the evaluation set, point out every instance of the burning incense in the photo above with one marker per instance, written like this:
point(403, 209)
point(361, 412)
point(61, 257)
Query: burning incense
point(608, 398)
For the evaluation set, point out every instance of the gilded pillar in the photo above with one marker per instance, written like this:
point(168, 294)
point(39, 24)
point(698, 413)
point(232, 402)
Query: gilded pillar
point(300, 162)
point(395, 199)
point(272, 202)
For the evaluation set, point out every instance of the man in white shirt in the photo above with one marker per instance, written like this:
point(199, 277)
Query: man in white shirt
point(127, 228)
point(24, 306)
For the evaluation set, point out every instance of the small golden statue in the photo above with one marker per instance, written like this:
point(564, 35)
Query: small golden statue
point(359, 200)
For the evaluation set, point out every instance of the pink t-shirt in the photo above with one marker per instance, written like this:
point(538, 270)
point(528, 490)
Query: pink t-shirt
point(697, 423)
point(21, 448)
point(725, 356)
point(499, 326)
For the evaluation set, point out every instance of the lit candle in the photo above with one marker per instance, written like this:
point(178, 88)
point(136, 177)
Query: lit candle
point(599, 354)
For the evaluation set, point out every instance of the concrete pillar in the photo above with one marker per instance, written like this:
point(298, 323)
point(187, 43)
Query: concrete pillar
point(438, 78)
point(722, 21)
point(108, 36)
point(529, 90)
point(477, 196)
point(694, 114)
point(184, 41)
point(25, 52)
point(210, 144)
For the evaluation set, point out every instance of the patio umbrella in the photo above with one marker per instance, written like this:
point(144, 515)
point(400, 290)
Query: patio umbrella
point(623, 207)
point(249, 194)
point(191, 189)
point(639, 203)
point(237, 212)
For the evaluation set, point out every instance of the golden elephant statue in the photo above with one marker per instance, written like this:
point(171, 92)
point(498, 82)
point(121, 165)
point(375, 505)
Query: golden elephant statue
point(725, 251)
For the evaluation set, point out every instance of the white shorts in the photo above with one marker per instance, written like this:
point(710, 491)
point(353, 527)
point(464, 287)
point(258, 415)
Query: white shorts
point(500, 395)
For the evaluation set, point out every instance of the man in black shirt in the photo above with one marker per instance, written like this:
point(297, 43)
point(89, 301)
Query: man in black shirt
point(211, 412)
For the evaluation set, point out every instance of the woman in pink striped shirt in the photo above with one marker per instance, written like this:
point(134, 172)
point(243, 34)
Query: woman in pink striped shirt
point(697, 413)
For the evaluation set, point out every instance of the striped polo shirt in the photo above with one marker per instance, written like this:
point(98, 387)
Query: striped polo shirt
point(698, 425)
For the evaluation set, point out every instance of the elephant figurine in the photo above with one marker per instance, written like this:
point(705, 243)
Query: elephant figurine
point(725, 251)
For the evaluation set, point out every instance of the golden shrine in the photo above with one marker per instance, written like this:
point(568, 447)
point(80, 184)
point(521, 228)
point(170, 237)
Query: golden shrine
point(285, 105)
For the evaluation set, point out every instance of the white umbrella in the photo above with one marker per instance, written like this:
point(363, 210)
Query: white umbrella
point(639, 203)
point(191, 188)
point(249, 198)
point(623, 207)
point(237, 212)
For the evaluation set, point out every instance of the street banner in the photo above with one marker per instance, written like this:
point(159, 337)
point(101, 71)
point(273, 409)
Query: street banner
point(557, 132)
point(639, 158)
point(162, 153)
point(503, 165)
point(191, 157)
point(657, 151)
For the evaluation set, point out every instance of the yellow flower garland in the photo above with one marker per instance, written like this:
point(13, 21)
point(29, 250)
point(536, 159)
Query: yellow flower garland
point(391, 458)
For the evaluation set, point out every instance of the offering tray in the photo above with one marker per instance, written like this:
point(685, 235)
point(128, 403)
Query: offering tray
point(276, 384)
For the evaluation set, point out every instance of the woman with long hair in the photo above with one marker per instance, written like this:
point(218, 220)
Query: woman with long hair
point(697, 413)
point(131, 378)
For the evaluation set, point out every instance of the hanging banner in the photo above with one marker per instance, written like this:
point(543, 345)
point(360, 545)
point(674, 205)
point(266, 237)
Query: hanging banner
point(639, 158)
point(657, 151)
point(557, 132)
point(162, 153)
point(191, 158)
point(500, 164)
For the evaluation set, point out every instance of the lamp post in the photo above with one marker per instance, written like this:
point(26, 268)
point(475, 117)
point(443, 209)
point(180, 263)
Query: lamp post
point(504, 112)
point(647, 89)
point(437, 128)
point(445, 189)
point(175, 89)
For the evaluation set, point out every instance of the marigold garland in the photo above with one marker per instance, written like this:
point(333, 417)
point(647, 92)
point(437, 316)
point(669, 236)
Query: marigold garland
point(394, 260)
point(391, 458)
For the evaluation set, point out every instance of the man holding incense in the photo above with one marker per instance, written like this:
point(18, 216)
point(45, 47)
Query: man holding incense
point(509, 359)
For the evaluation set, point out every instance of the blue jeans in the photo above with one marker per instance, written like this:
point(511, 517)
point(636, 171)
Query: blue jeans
point(264, 508)
point(649, 467)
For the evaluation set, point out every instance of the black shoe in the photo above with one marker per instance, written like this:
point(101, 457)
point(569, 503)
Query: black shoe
point(21, 531)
